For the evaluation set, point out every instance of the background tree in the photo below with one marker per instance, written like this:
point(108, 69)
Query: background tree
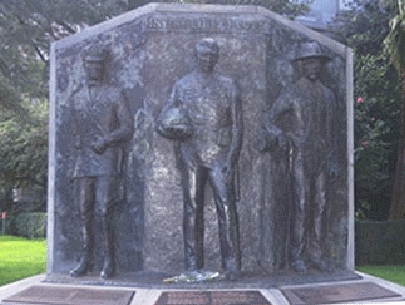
point(395, 45)
point(377, 101)
point(286, 8)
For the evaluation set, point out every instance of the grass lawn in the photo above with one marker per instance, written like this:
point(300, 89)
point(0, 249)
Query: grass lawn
point(391, 273)
point(20, 258)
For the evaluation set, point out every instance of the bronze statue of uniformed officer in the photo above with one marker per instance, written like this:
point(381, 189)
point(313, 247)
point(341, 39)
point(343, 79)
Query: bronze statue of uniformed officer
point(301, 122)
point(102, 122)
point(204, 113)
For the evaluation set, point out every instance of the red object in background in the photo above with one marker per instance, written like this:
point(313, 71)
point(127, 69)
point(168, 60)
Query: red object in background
point(3, 215)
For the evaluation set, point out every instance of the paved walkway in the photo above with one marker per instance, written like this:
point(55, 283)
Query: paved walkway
point(274, 296)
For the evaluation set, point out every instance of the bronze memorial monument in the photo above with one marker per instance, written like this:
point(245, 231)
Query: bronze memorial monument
point(149, 175)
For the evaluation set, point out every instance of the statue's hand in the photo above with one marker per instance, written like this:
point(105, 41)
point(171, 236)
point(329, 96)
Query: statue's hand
point(273, 141)
point(283, 141)
point(294, 140)
point(99, 145)
point(266, 141)
point(227, 171)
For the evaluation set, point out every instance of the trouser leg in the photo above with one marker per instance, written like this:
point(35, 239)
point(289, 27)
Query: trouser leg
point(299, 188)
point(199, 217)
point(227, 218)
point(106, 194)
point(318, 208)
point(85, 197)
point(193, 181)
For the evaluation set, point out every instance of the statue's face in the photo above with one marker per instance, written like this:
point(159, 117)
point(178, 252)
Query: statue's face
point(206, 58)
point(312, 68)
point(94, 70)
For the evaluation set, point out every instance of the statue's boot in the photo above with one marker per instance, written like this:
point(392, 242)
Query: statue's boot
point(232, 273)
point(83, 266)
point(108, 269)
point(86, 262)
point(299, 266)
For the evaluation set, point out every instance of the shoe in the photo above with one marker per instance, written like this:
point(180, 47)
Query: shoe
point(106, 273)
point(232, 275)
point(299, 266)
point(107, 270)
point(80, 269)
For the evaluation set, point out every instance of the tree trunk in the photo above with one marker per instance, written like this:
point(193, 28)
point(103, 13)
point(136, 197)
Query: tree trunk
point(397, 209)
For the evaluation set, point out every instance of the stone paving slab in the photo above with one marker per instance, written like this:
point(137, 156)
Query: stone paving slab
point(332, 294)
point(146, 297)
point(53, 295)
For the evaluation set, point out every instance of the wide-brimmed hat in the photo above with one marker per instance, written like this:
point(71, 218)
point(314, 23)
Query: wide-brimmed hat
point(311, 49)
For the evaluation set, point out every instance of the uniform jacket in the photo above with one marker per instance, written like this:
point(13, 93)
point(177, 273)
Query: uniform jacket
point(100, 111)
point(304, 113)
point(214, 107)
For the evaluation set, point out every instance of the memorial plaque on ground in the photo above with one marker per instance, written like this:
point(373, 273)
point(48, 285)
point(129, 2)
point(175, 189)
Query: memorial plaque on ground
point(212, 298)
point(228, 70)
point(341, 293)
point(54, 295)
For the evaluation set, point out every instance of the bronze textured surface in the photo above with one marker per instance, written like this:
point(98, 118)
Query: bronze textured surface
point(70, 296)
point(150, 52)
point(211, 298)
point(331, 294)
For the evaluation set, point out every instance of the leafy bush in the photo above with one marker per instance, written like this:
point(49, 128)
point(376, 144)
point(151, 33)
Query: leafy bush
point(377, 90)
point(30, 225)
point(380, 243)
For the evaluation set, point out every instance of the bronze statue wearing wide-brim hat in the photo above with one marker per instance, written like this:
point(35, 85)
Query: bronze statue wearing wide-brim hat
point(308, 50)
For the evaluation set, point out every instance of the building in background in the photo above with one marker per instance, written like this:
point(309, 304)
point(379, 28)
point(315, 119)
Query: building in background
point(324, 12)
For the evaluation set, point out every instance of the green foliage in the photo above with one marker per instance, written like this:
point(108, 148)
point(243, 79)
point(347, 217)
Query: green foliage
point(376, 104)
point(31, 225)
point(287, 8)
point(24, 143)
point(377, 88)
point(380, 243)
point(395, 47)
point(395, 40)
point(364, 30)
point(20, 258)
point(28, 27)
